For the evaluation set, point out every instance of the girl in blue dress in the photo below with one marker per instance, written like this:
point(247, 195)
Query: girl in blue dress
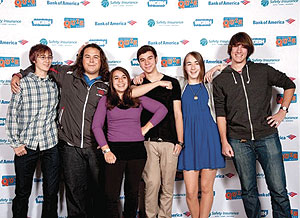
point(202, 154)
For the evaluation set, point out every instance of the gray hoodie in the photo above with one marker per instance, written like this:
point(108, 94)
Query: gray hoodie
point(244, 99)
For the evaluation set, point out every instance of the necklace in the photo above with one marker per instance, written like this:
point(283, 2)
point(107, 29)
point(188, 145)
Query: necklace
point(195, 94)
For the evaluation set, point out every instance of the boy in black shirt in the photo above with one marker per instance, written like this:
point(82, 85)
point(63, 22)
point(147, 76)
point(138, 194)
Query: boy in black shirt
point(163, 142)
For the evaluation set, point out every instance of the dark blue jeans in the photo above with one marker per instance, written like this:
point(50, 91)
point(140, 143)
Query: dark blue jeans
point(83, 177)
point(268, 152)
point(24, 167)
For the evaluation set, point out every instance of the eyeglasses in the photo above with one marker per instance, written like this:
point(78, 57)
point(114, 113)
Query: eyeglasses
point(43, 58)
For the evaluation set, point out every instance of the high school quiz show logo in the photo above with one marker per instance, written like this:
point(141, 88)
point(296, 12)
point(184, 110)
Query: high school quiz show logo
point(233, 194)
point(9, 62)
point(25, 3)
point(187, 4)
point(290, 156)
point(170, 61)
point(232, 22)
point(73, 23)
point(286, 41)
point(294, 213)
point(127, 42)
point(8, 180)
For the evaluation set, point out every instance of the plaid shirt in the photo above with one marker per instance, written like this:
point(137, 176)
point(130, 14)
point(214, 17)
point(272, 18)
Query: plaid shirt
point(31, 114)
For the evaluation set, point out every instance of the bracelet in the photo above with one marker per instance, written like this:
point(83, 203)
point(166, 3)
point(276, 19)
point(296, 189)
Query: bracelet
point(18, 75)
point(181, 144)
point(105, 150)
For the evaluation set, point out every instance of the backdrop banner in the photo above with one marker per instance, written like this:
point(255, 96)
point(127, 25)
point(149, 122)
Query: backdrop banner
point(174, 28)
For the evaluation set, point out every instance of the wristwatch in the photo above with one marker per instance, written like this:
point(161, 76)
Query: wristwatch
point(284, 108)
point(105, 150)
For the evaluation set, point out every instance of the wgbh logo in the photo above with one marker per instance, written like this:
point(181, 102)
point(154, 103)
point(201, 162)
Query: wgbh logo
point(203, 22)
point(157, 3)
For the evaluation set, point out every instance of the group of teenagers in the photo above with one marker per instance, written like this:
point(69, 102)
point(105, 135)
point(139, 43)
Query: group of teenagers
point(97, 125)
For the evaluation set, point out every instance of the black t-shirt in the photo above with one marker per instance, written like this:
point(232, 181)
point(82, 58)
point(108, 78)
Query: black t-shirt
point(166, 129)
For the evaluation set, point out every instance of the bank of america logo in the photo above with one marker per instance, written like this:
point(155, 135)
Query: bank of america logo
point(85, 3)
point(69, 62)
point(292, 194)
point(289, 21)
point(291, 136)
point(184, 41)
point(227, 60)
point(23, 41)
point(132, 22)
point(188, 213)
point(245, 2)
point(229, 175)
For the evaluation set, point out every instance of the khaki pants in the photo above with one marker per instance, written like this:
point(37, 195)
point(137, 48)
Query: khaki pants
point(159, 176)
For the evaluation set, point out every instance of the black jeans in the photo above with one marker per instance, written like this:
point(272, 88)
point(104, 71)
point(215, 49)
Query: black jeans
point(24, 167)
point(113, 180)
point(82, 178)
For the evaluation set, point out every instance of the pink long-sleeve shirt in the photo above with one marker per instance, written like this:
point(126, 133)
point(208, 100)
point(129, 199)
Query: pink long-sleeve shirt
point(124, 124)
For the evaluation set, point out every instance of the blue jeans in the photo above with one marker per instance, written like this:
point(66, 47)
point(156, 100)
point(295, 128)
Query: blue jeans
point(24, 167)
point(83, 177)
point(269, 154)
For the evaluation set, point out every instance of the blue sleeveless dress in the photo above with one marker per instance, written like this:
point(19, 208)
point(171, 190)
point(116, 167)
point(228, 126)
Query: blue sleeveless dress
point(202, 140)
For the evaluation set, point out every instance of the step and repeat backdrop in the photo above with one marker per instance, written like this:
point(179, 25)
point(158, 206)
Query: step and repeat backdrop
point(173, 27)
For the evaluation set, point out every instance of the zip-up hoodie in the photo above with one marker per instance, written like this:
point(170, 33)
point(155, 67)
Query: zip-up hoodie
point(244, 99)
point(78, 103)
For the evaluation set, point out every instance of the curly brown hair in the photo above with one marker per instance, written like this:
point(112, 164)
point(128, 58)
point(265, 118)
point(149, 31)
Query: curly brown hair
point(104, 70)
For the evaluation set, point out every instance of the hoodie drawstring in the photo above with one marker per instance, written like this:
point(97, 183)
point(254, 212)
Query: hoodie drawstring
point(248, 76)
point(235, 82)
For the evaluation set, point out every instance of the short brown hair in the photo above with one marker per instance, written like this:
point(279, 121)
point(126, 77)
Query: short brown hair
point(144, 49)
point(199, 58)
point(241, 38)
point(37, 50)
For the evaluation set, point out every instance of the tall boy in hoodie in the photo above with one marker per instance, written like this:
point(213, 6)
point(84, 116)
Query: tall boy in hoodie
point(248, 130)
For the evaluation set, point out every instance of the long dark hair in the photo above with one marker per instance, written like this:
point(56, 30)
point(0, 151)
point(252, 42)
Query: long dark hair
point(199, 58)
point(113, 97)
point(104, 70)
